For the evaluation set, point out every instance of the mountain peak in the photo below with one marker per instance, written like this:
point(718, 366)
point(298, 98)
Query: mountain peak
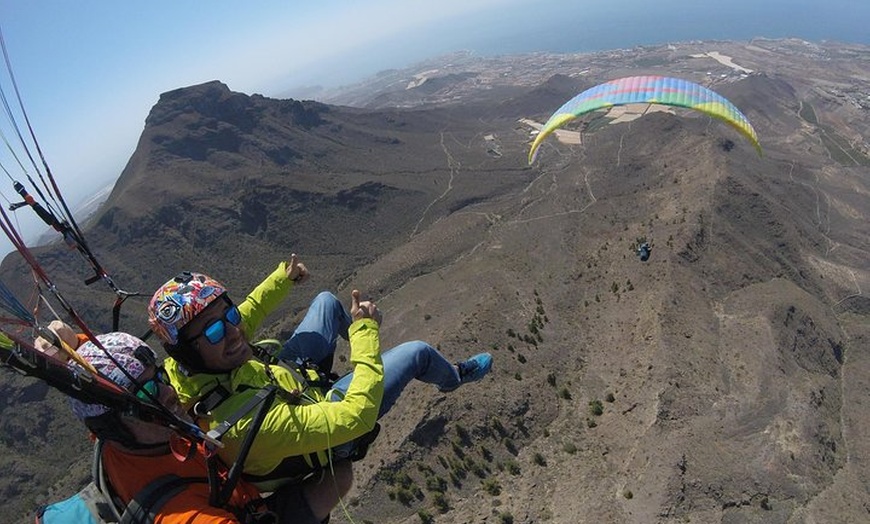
point(715, 380)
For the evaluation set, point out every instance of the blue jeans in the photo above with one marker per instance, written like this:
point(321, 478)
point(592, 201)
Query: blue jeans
point(315, 337)
point(326, 320)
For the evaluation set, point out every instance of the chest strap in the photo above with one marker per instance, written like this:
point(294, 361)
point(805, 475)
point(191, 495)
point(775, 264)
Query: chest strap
point(211, 400)
point(145, 506)
point(216, 396)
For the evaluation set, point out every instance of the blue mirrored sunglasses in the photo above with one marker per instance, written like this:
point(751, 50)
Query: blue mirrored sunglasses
point(216, 330)
point(152, 385)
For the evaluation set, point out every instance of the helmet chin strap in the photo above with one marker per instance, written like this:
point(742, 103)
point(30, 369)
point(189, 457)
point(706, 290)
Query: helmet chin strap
point(110, 427)
point(138, 446)
point(186, 352)
point(188, 358)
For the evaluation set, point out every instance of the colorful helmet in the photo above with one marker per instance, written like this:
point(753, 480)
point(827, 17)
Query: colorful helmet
point(179, 301)
point(120, 349)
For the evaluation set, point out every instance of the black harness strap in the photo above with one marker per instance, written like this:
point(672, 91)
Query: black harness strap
point(211, 400)
point(266, 396)
point(99, 478)
point(219, 394)
point(145, 506)
point(218, 432)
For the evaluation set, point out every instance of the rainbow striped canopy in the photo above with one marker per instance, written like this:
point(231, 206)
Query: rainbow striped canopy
point(648, 90)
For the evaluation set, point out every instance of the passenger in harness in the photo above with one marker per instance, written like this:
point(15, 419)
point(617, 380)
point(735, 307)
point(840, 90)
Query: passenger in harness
point(141, 477)
point(310, 426)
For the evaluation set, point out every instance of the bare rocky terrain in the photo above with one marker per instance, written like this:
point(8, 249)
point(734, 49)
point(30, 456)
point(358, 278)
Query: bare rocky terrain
point(724, 380)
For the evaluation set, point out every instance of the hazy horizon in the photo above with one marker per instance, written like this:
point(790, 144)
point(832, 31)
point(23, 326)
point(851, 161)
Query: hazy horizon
point(88, 103)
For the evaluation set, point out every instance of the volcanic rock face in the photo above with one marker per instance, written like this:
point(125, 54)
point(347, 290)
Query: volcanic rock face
point(722, 380)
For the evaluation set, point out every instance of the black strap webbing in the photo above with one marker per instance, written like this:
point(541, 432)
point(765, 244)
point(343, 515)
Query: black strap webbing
point(218, 431)
point(98, 474)
point(265, 396)
point(209, 401)
point(145, 506)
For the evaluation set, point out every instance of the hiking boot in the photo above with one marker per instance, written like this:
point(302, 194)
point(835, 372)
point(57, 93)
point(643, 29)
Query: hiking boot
point(474, 368)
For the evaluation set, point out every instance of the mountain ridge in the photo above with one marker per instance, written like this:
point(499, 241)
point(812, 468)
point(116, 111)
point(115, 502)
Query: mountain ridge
point(718, 382)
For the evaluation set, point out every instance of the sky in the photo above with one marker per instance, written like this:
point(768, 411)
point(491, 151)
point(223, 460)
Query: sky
point(90, 71)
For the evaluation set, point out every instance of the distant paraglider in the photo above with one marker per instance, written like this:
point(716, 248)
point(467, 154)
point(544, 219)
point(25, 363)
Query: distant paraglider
point(647, 90)
point(643, 251)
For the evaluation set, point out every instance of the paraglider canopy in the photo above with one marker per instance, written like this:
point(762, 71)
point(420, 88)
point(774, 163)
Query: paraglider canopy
point(647, 90)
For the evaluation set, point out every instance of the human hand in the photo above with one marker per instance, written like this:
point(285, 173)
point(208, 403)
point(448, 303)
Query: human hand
point(296, 271)
point(365, 309)
point(56, 333)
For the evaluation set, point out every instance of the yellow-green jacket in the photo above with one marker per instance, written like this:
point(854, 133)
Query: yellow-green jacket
point(291, 433)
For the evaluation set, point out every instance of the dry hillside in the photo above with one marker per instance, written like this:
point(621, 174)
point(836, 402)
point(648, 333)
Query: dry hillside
point(723, 380)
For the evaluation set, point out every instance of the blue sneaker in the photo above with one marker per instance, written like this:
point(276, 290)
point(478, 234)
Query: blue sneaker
point(474, 368)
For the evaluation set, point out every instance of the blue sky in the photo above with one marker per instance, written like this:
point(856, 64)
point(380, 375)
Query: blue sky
point(89, 71)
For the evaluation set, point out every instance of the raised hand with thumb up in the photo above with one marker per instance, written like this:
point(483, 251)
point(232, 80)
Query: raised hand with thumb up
point(364, 309)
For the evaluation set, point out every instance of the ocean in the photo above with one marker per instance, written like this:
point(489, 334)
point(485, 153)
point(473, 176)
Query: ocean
point(568, 26)
point(581, 26)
